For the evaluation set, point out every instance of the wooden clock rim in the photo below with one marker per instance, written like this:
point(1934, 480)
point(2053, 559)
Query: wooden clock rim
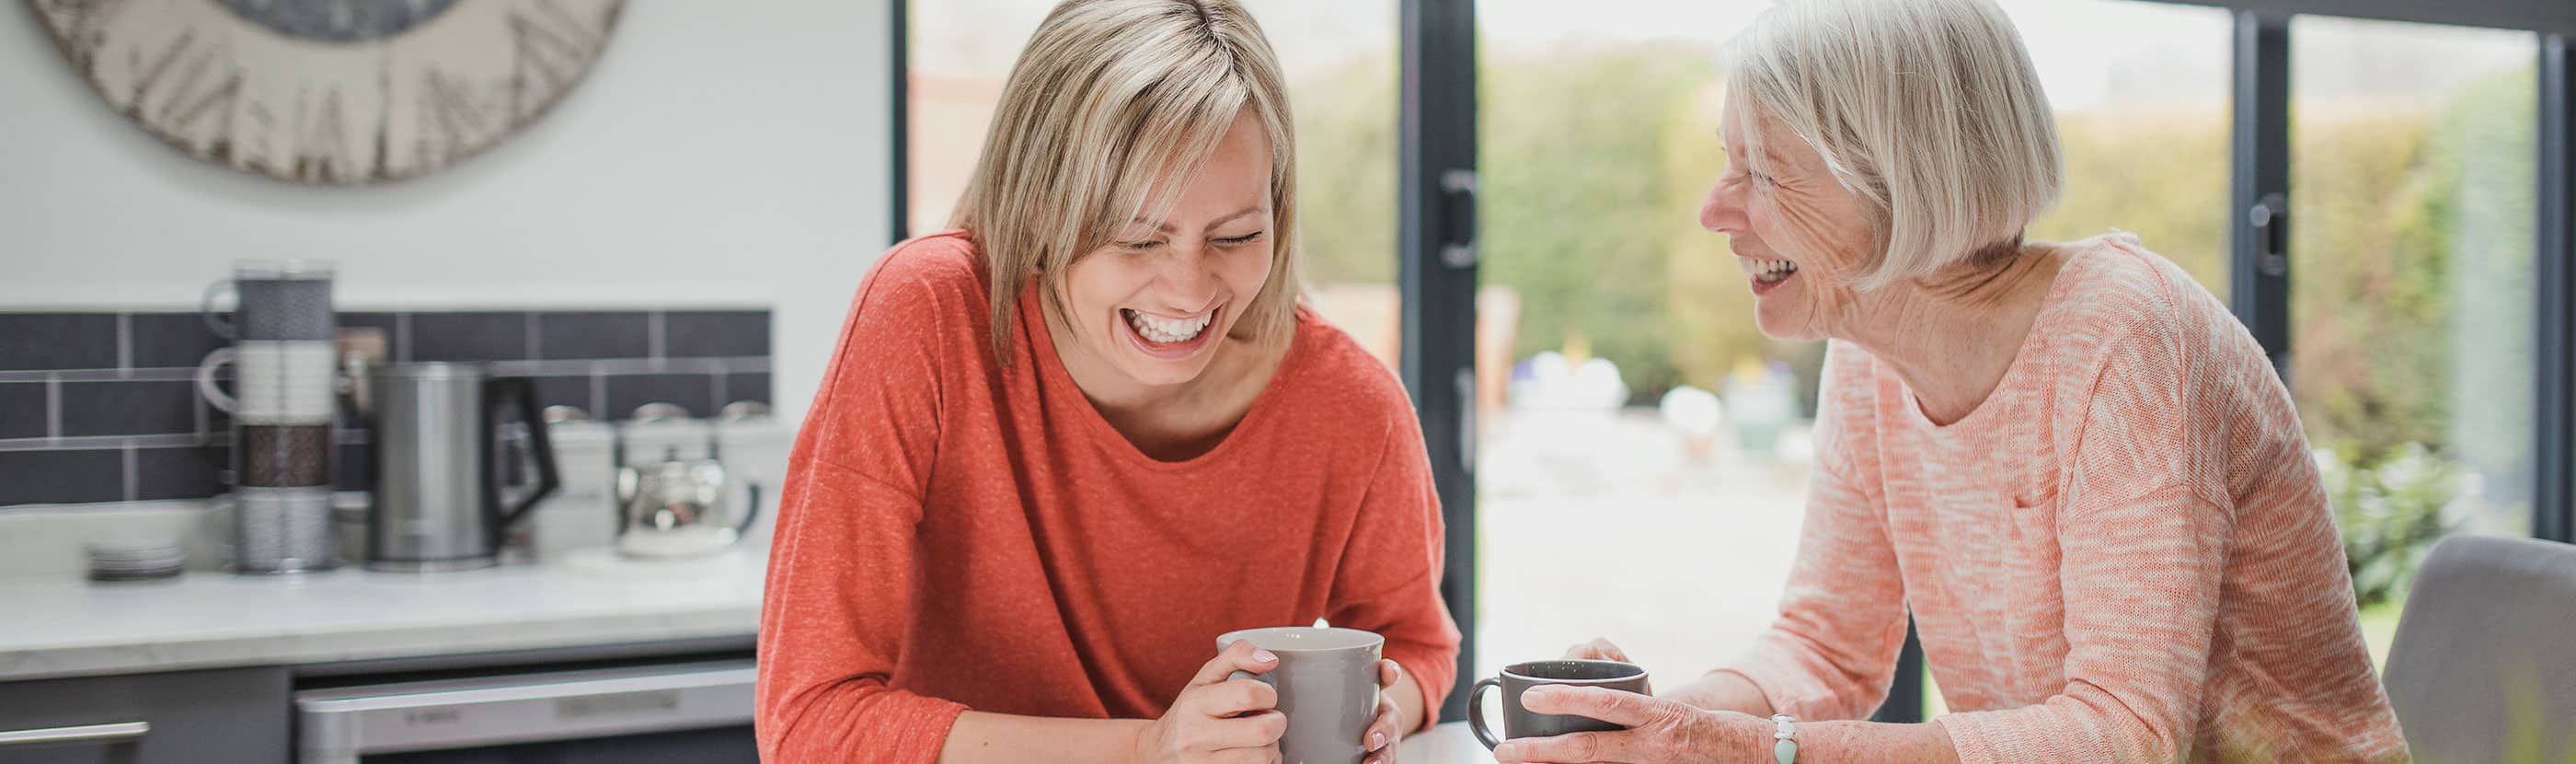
point(376, 176)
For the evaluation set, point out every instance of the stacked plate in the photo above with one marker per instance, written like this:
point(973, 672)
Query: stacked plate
point(135, 560)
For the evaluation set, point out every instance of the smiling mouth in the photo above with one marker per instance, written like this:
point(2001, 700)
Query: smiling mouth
point(1168, 331)
point(1766, 270)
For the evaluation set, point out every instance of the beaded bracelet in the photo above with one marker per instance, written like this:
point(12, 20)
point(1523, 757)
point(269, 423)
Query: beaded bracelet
point(1786, 751)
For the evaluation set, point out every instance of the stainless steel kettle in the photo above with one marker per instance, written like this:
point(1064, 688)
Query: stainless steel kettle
point(682, 507)
point(444, 458)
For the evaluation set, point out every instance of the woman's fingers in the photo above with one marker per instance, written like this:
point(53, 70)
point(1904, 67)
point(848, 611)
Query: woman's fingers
point(1381, 733)
point(1380, 739)
point(1250, 731)
point(1240, 656)
point(1571, 748)
point(1225, 699)
point(1626, 709)
point(1598, 649)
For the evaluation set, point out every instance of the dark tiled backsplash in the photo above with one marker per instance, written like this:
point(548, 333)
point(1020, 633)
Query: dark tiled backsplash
point(597, 335)
point(466, 337)
point(714, 335)
point(126, 408)
point(24, 407)
point(169, 340)
point(180, 473)
point(50, 477)
point(103, 407)
point(58, 341)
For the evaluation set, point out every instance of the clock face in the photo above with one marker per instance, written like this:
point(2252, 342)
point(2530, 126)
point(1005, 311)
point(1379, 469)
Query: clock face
point(337, 20)
point(331, 91)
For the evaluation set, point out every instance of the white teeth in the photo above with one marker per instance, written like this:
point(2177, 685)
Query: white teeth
point(1164, 330)
point(1766, 269)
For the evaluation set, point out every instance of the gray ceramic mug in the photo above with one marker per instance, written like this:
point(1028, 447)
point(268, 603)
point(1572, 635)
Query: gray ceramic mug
point(1518, 678)
point(1327, 681)
point(279, 300)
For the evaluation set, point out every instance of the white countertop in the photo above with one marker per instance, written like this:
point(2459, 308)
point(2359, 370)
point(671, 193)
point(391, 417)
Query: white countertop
point(52, 626)
point(1450, 743)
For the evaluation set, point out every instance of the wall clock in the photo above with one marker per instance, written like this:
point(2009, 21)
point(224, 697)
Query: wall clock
point(331, 91)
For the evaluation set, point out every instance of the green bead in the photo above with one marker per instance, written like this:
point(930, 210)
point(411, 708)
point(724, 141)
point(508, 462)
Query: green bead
point(1786, 751)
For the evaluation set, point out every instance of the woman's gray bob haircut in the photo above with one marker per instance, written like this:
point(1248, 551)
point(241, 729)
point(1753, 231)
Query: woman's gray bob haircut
point(1929, 110)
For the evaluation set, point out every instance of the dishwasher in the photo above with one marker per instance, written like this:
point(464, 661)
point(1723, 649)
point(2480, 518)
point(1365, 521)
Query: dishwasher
point(696, 712)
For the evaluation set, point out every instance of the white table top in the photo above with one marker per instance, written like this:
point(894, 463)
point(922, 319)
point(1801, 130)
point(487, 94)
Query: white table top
point(52, 626)
point(1450, 743)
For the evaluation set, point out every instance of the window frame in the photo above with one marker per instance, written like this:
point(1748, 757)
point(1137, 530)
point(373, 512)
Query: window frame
point(2259, 261)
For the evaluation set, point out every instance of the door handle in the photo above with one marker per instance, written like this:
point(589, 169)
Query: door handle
point(1458, 218)
point(2271, 220)
point(114, 732)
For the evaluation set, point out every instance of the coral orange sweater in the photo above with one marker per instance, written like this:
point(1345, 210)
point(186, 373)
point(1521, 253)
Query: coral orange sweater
point(2123, 554)
point(955, 534)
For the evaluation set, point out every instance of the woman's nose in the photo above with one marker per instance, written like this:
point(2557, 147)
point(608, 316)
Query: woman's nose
point(1721, 213)
point(1191, 273)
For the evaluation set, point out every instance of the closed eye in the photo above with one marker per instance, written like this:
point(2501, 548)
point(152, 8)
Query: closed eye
point(1236, 241)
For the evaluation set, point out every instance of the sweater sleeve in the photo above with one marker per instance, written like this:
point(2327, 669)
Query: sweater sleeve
point(1832, 651)
point(842, 571)
point(1389, 582)
point(2143, 530)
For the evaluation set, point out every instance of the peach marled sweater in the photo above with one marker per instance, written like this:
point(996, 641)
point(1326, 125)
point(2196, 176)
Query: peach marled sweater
point(2123, 554)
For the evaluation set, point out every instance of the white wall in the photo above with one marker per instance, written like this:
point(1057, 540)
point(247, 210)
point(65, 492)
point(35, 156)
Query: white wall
point(716, 156)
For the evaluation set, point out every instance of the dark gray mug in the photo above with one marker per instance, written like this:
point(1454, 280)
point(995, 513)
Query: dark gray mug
point(1518, 678)
point(1327, 681)
point(288, 300)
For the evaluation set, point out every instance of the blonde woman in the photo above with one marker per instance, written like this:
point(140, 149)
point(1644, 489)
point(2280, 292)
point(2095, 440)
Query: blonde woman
point(2066, 460)
point(1062, 448)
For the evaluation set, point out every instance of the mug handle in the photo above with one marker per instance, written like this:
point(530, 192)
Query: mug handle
point(206, 379)
point(226, 535)
point(1476, 712)
point(751, 512)
point(206, 310)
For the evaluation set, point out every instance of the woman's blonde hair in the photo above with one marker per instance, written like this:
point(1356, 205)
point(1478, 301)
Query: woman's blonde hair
point(1929, 110)
point(1109, 98)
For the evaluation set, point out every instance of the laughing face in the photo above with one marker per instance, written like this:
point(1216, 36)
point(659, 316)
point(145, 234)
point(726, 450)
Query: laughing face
point(1802, 239)
point(1156, 305)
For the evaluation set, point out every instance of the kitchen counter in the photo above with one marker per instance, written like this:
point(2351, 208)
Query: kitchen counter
point(56, 626)
point(1451, 743)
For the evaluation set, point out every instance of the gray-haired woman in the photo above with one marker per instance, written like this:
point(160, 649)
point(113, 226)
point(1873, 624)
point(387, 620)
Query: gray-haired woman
point(2066, 461)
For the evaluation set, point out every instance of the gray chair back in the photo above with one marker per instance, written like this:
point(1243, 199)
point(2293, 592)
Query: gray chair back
point(2484, 666)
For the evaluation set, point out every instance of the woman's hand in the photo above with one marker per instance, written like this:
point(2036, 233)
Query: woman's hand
point(1598, 649)
point(1660, 731)
point(1219, 720)
point(1387, 728)
point(1718, 691)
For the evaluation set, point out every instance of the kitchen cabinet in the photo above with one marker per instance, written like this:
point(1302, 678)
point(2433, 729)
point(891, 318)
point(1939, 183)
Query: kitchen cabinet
point(185, 717)
point(214, 687)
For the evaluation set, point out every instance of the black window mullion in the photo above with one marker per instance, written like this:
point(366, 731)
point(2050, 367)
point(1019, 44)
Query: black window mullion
point(2259, 253)
point(1437, 276)
point(2545, 16)
point(899, 124)
point(2555, 262)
